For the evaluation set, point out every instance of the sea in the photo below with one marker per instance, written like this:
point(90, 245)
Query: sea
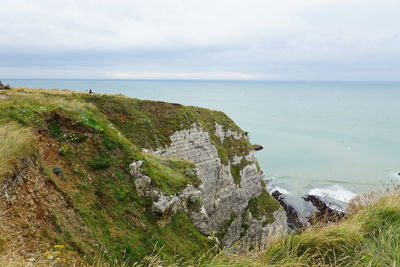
point(331, 139)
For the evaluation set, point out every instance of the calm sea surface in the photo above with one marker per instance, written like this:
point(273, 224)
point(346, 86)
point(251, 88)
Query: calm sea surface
point(333, 137)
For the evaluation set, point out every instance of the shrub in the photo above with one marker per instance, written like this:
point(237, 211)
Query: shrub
point(57, 170)
point(54, 129)
point(102, 161)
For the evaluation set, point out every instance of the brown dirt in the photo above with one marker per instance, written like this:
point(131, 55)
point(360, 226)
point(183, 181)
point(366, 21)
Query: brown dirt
point(28, 203)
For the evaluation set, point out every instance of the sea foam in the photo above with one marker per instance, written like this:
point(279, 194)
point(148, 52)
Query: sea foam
point(334, 192)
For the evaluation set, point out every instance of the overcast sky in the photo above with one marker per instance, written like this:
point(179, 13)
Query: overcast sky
point(203, 39)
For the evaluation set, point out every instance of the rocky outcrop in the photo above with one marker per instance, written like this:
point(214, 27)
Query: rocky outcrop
point(253, 231)
point(141, 181)
point(223, 202)
point(257, 147)
point(165, 205)
point(293, 219)
point(324, 212)
point(221, 133)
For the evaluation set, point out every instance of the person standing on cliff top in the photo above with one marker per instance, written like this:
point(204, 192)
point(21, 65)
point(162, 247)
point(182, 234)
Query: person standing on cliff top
point(90, 91)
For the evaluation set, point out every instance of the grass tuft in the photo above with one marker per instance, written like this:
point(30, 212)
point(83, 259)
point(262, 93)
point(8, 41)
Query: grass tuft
point(15, 142)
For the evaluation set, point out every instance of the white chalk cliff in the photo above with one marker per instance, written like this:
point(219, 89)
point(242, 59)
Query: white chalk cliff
point(223, 202)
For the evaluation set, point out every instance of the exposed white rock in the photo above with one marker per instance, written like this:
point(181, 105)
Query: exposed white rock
point(268, 233)
point(169, 205)
point(135, 167)
point(219, 132)
point(236, 160)
point(222, 134)
point(141, 181)
point(220, 196)
point(234, 134)
point(164, 204)
point(250, 156)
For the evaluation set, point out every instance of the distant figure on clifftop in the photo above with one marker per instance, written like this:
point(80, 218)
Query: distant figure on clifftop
point(90, 91)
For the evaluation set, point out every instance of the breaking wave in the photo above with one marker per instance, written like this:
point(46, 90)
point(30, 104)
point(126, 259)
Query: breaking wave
point(333, 192)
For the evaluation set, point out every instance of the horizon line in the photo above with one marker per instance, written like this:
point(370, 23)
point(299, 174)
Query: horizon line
point(205, 80)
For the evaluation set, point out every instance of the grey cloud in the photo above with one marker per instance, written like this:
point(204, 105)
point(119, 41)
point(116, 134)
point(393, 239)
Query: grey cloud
point(254, 39)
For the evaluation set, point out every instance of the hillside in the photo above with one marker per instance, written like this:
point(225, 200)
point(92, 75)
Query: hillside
point(85, 176)
point(107, 180)
point(368, 236)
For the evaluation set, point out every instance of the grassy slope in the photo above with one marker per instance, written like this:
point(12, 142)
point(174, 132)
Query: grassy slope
point(91, 140)
point(15, 141)
point(92, 157)
point(154, 122)
point(263, 206)
point(103, 194)
point(368, 237)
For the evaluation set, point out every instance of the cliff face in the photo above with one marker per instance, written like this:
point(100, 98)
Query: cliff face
point(223, 201)
point(224, 161)
point(127, 171)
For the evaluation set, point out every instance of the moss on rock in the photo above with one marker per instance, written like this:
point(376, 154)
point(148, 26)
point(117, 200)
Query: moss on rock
point(263, 206)
point(93, 139)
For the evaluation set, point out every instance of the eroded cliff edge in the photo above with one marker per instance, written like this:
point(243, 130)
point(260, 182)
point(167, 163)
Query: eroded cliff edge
point(133, 174)
point(233, 201)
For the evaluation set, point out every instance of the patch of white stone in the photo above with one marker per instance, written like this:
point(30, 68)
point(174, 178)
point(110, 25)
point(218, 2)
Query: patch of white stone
point(220, 197)
point(163, 204)
point(222, 134)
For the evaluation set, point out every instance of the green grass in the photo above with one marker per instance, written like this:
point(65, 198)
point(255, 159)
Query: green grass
point(93, 139)
point(369, 237)
point(94, 155)
point(235, 169)
point(169, 175)
point(187, 242)
point(101, 161)
point(263, 206)
point(15, 142)
point(154, 122)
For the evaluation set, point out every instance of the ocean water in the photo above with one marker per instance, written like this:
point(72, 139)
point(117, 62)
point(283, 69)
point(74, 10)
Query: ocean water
point(335, 139)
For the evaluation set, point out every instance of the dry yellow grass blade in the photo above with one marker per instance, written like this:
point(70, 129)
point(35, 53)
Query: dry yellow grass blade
point(15, 141)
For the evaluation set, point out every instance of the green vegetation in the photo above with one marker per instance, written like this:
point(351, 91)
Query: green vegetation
point(230, 147)
point(84, 151)
point(225, 226)
point(148, 124)
point(235, 169)
point(15, 142)
point(84, 144)
point(263, 206)
point(154, 122)
point(101, 161)
point(368, 237)
point(168, 175)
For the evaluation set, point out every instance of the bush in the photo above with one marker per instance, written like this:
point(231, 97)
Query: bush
point(57, 170)
point(102, 161)
point(54, 129)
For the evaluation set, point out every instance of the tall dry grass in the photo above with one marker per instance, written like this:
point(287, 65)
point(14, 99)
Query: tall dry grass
point(15, 141)
point(370, 236)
